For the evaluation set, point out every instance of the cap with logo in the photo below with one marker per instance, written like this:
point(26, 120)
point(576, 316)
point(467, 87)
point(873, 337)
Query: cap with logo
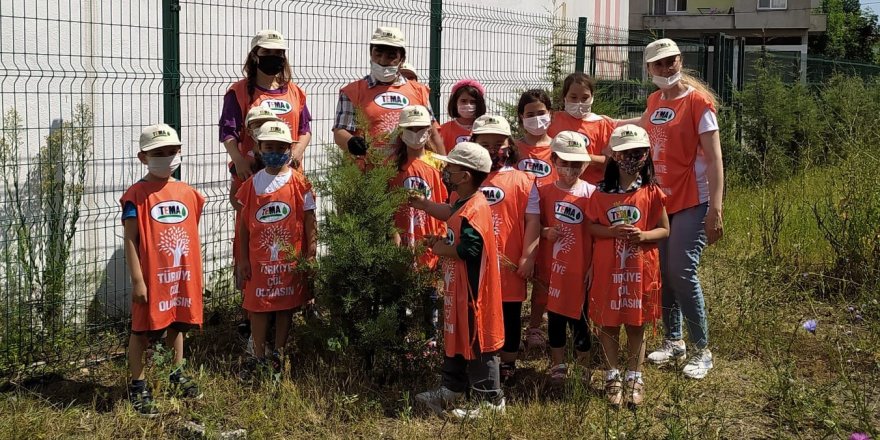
point(415, 116)
point(491, 124)
point(629, 137)
point(388, 36)
point(158, 136)
point(274, 131)
point(469, 155)
point(268, 39)
point(659, 49)
point(259, 113)
point(570, 146)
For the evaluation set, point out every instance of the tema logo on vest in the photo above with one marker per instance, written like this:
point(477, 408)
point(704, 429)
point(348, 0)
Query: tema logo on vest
point(662, 115)
point(535, 166)
point(568, 213)
point(450, 236)
point(391, 100)
point(493, 194)
point(623, 215)
point(278, 106)
point(169, 212)
point(273, 212)
point(416, 183)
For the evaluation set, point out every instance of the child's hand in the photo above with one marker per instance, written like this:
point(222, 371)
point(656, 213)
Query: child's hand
point(414, 198)
point(396, 239)
point(242, 168)
point(244, 270)
point(622, 230)
point(551, 234)
point(431, 240)
point(139, 293)
point(234, 202)
point(636, 235)
point(526, 268)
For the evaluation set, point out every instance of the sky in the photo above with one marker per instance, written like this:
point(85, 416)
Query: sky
point(873, 5)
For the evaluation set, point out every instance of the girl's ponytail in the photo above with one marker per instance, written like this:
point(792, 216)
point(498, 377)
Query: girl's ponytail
point(690, 79)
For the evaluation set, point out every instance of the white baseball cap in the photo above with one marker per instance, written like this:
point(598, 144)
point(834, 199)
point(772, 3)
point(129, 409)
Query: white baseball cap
point(491, 124)
point(629, 137)
point(158, 136)
point(268, 39)
point(659, 49)
point(414, 116)
point(388, 36)
point(274, 131)
point(570, 146)
point(259, 113)
point(469, 155)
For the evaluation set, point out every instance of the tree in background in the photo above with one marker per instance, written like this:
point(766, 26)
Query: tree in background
point(853, 33)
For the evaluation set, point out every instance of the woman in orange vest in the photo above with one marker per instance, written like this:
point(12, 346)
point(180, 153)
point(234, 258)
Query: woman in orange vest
point(467, 103)
point(627, 219)
point(378, 98)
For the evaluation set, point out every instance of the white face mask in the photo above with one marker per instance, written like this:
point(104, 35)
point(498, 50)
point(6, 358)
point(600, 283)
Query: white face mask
point(579, 110)
point(415, 139)
point(163, 167)
point(665, 83)
point(537, 125)
point(467, 111)
point(384, 74)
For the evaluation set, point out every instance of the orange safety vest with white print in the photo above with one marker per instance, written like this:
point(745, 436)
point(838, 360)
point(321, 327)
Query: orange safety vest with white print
point(170, 253)
point(415, 224)
point(673, 127)
point(596, 130)
point(275, 224)
point(486, 332)
point(288, 106)
point(626, 277)
point(536, 160)
point(453, 134)
point(507, 192)
point(381, 104)
point(568, 258)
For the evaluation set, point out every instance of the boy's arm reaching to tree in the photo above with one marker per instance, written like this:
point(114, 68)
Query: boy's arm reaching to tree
point(440, 211)
point(132, 259)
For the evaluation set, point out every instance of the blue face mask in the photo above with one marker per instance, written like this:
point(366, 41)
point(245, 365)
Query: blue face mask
point(275, 160)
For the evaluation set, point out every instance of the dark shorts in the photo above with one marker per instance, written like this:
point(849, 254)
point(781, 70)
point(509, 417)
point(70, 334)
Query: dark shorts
point(155, 335)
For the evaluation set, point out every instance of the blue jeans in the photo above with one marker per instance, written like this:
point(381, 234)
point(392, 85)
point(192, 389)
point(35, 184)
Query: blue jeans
point(682, 293)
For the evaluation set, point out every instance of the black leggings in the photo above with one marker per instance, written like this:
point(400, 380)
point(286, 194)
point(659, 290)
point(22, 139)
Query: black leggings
point(512, 326)
point(556, 325)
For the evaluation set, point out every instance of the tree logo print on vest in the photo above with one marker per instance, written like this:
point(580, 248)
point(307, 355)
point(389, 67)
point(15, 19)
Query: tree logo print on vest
point(416, 183)
point(662, 115)
point(273, 239)
point(493, 194)
point(174, 242)
point(273, 212)
point(391, 101)
point(564, 241)
point(277, 106)
point(535, 166)
point(568, 213)
point(623, 215)
point(169, 212)
point(450, 236)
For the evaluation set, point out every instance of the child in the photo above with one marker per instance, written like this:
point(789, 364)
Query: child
point(415, 174)
point(533, 111)
point(516, 216)
point(473, 326)
point(163, 253)
point(566, 250)
point(256, 117)
point(467, 103)
point(409, 72)
point(276, 225)
point(627, 218)
point(577, 91)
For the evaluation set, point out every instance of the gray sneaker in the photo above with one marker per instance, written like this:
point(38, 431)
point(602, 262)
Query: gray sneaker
point(484, 408)
point(670, 351)
point(439, 400)
point(699, 364)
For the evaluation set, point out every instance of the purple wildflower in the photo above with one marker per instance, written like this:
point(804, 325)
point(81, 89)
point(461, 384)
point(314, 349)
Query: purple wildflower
point(858, 317)
point(810, 326)
point(859, 436)
point(850, 309)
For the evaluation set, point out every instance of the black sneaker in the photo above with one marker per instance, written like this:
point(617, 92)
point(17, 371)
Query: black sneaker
point(184, 386)
point(142, 402)
point(507, 371)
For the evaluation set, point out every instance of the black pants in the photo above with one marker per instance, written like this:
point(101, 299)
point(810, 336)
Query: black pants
point(512, 326)
point(556, 326)
point(481, 375)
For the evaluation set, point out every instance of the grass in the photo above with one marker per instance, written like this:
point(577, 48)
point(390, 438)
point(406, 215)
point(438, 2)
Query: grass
point(772, 379)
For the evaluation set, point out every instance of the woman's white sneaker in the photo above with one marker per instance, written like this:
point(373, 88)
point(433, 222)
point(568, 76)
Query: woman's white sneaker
point(670, 351)
point(699, 364)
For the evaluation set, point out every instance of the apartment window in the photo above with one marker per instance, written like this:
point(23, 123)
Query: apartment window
point(772, 4)
point(676, 6)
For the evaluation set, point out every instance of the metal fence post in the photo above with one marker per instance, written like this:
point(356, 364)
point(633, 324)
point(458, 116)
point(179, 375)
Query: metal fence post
point(434, 67)
point(580, 50)
point(171, 65)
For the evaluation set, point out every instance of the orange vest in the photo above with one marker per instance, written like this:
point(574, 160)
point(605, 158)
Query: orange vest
point(382, 103)
point(675, 144)
point(275, 225)
point(453, 134)
point(568, 258)
point(626, 278)
point(288, 106)
point(487, 332)
point(508, 195)
point(535, 160)
point(596, 133)
point(170, 253)
point(420, 176)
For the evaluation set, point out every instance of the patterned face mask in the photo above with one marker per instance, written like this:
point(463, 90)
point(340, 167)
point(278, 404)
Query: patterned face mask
point(632, 161)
